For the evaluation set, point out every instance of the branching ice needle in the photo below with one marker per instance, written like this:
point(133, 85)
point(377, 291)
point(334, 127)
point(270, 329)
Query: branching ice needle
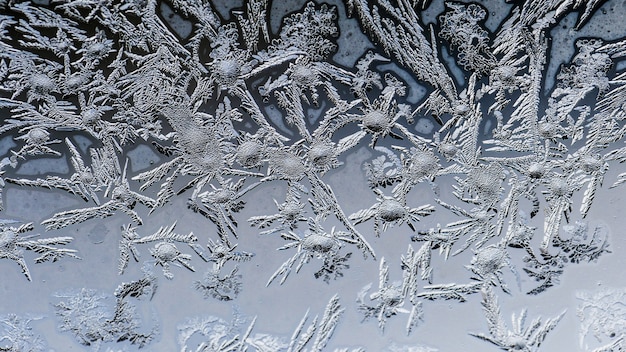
point(520, 337)
point(84, 182)
point(12, 246)
point(122, 198)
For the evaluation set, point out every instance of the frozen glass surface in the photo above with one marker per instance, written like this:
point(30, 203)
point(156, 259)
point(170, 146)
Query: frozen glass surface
point(387, 175)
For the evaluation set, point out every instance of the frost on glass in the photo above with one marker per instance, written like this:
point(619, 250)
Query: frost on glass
point(14, 243)
point(220, 336)
point(92, 320)
point(271, 149)
point(601, 314)
point(519, 337)
point(18, 335)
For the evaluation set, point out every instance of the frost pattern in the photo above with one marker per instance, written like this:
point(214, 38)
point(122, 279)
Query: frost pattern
point(520, 337)
point(233, 109)
point(93, 322)
point(17, 335)
point(12, 246)
point(220, 336)
point(600, 313)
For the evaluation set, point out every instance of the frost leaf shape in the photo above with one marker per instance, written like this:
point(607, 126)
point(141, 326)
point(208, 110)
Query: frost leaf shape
point(92, 321)
point(487, 265)
point(450, 291)
point(460, 25)
point(519, 338)
point(122, 198)
point(220, 253)
point(388, 300)
point(545, 269)
point(578, 247)
point(220, 205)
point(383, 170)
point(316, 243)
point(434, 238)
point(224, 288)
point(131, 79)
point(37, 143)
point(575, 247)
point(322, 331)
point(401, 35)
point(83, 182)
point(12, 246)
point(164, 251)
point(290, 213)
point(391, 210)
point(220, 336)
point(227, 287)
point(310, 30)
point(254, 23)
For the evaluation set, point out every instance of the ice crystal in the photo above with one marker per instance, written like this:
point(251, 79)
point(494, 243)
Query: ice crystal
point(220, 254)
point(84, 182)
point(13, 244)
point(390, 210)
point(405, 40)
point(488, 262)
point(575, 248)
point(290, 213)
point(389, 300)
point(37, 140)
point(461, 27)
point(218, 335)
point(220, 205)
point(316, 243)
point(222, 288)
point(384, 170)
point(520, 337)
point(121, 198)
point(450, 291)
point(227, 287)
point(164, 251)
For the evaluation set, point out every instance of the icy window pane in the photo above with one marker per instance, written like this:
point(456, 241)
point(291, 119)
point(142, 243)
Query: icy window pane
point(387, 175)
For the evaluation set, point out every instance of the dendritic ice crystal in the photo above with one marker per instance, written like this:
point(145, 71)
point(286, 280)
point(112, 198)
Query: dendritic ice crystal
point(369, 160)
